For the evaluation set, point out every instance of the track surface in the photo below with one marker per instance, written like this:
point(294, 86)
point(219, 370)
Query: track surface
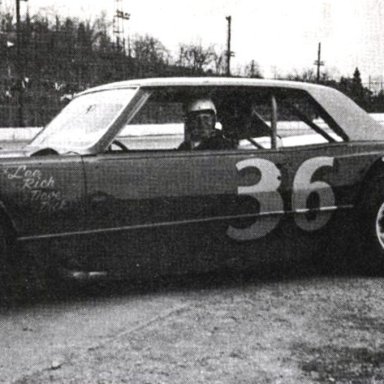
point(296, 329)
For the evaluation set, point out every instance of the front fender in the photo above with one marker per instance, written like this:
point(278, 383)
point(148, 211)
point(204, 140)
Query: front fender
point(7, 222)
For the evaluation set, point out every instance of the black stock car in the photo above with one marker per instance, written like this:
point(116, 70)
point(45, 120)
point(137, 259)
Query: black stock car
point(103, 189)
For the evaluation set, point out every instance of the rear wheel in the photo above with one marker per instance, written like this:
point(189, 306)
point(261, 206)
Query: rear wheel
point(379, 226)
point(371, 227)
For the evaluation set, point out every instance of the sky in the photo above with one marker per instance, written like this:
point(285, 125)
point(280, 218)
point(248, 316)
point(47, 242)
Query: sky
point(280, 35)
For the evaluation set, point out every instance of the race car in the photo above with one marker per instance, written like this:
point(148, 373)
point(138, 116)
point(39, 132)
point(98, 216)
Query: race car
point(107, 189)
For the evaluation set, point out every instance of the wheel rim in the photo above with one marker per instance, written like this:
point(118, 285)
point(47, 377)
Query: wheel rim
point(380, 225)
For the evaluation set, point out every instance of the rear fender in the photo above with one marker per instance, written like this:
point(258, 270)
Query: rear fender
point(375, 171)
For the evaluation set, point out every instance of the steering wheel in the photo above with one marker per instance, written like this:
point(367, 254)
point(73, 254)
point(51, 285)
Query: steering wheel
point(119, 144)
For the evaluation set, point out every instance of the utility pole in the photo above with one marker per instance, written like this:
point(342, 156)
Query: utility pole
point(318, 63)
point(181, 57)
point(19, 68)
point(229, 53)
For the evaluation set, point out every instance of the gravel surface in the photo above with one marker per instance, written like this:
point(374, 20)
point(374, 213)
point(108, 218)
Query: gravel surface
point(313, 329)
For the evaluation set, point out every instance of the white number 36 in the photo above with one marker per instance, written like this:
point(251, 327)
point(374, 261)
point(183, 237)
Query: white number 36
point(271, 202)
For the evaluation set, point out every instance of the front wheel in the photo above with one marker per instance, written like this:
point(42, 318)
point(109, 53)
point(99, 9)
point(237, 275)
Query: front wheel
point(6, 270)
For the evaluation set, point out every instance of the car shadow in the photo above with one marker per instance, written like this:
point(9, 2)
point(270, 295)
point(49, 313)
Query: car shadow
point(73, 291)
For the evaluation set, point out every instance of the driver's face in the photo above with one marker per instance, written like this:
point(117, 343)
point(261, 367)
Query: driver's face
point(200, 125)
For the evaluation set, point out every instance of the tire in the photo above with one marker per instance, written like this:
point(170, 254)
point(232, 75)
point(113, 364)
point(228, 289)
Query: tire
point(371, 228)
point(21, 276)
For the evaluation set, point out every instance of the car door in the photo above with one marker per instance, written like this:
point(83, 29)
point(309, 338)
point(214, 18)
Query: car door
point(155, 212)
point(178, 212)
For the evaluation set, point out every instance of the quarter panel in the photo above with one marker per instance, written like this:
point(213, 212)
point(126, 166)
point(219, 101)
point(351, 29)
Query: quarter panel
point(43, 195)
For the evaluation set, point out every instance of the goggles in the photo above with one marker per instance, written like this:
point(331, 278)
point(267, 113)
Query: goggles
point(203, 117)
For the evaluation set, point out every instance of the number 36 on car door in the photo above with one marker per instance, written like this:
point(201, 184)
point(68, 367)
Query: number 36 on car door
point(266, 192)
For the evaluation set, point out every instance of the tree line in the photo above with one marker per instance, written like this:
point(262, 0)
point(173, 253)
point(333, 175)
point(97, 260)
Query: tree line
point(351, 86)
point(61, 56)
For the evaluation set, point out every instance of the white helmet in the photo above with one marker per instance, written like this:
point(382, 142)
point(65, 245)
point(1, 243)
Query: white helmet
point(201, 105)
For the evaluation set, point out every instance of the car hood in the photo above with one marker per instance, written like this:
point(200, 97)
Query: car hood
point(28, 151)
point(22, 152)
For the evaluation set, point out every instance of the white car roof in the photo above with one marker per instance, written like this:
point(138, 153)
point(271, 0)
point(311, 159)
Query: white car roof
point(206, 81)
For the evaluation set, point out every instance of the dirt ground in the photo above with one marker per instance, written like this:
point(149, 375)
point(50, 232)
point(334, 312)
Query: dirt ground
point(284, 329)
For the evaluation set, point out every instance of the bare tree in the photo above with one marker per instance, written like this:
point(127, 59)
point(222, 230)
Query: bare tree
point(150, 55)
point(253, 70)
point(219, 61)
point(149, 49)
point(198, 58)
point(306, 75)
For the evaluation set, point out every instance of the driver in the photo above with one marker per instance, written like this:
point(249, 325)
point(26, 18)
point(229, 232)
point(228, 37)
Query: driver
point(200, 131)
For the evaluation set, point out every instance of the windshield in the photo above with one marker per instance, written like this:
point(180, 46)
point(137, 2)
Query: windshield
point(85, 120)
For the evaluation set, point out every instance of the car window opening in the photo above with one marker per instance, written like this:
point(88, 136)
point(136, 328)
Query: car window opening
point(258, 119)
point(301, 115)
